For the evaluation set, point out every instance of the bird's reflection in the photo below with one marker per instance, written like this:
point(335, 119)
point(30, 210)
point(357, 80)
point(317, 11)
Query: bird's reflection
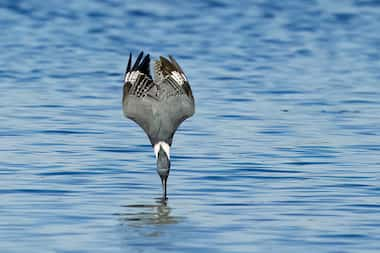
point(148, 214)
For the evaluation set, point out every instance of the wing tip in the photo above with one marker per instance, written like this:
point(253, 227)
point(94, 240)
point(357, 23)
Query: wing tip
point(142, 64)
point(166, 66)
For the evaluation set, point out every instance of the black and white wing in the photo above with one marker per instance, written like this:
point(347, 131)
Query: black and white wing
point(139, 94)
point(177, 101)
point(171, 73)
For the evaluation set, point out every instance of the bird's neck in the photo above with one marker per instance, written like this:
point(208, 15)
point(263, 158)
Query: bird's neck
point(164, 146)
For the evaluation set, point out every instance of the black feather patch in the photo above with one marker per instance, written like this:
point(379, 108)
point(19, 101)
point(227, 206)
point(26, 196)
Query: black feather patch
point(144, 66)
point(141, 64)
point(137, 62)
point(129, 63)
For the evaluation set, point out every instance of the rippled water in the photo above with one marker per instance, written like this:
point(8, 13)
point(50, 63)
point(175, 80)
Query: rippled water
point(282, 155)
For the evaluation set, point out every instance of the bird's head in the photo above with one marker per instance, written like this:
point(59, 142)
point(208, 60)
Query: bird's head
point(163, 164)
point(162, 152)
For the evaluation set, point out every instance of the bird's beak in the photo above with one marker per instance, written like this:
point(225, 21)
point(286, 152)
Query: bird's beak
point(164, 180)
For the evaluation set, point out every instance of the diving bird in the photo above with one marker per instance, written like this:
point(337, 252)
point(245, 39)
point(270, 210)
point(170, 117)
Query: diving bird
point(158, 106)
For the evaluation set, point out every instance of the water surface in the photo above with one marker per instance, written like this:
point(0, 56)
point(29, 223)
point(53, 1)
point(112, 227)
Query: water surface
point(282, 155)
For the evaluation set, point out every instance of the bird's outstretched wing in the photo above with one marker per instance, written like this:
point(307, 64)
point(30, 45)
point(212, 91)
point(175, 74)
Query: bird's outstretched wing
point(157, 106)
point(139, 94)
point(176, 100)
point(172, 73)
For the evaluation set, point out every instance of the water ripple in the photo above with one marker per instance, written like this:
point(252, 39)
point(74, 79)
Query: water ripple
point(282, 154)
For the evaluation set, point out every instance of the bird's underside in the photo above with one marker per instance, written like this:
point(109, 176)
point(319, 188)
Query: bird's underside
point(158, 106)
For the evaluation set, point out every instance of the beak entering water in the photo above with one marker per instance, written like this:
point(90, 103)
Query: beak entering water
point(164, 180)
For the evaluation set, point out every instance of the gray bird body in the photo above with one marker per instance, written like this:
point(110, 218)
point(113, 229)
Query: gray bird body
point(159, 116)
point(158, 106)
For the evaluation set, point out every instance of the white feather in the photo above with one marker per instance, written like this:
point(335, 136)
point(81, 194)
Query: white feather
point(127, 77)
point(132, 76)
point(178, 77)
point(164, 146)
point(184, 77)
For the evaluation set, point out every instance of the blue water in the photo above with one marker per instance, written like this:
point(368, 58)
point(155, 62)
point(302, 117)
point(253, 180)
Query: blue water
point(282, 155)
